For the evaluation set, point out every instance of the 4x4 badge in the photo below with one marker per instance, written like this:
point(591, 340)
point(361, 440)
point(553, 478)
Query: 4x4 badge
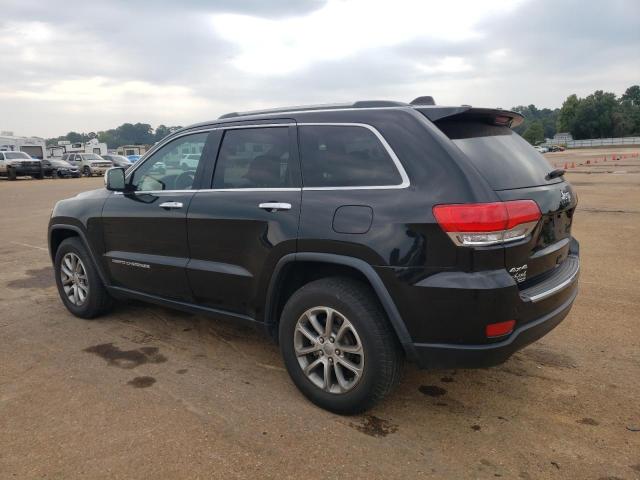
point(565, 198)
point(519, 274)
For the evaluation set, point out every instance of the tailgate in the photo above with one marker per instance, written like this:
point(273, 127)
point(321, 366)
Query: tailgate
point(516, 171)
point(550, 242)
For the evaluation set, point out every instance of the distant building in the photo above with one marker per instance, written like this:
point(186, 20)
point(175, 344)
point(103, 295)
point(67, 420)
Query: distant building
point(132, 150)
point(563, 137)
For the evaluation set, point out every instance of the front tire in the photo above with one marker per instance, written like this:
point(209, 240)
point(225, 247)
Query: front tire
point(11, 174)
point(86, 171)
point(78, 282)
point(338, 346)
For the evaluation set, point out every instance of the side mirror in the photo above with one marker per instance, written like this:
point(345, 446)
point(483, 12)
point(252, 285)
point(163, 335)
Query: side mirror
point(114, 179)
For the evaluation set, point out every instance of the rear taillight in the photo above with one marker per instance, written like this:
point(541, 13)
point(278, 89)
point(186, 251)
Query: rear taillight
point(477, 224)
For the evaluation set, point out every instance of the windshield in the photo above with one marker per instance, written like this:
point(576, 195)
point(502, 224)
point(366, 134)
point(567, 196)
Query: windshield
point(16, 156)
point(91, 156)
point(503, 157)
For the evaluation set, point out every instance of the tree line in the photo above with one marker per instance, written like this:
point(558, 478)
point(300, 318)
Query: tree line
point(125, 134)
point(599, 115)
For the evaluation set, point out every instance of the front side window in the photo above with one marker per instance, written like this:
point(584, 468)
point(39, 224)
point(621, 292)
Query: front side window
point(255, 158)
point(167, 169)
point(344, 156)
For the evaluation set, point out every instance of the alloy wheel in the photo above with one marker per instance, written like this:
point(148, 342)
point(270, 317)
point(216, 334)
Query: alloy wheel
point(74, 279)
point(329, 350)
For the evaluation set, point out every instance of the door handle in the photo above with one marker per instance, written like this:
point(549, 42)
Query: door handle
point(171, 205)
point(275, 206)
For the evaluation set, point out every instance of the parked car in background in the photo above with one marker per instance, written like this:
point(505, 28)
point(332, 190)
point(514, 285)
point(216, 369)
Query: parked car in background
point(332, 230)
point(556, 148)
point(190, 161)
point(57, 168)
point(89, 164)
point(541, 149)
point(134, 158)
point(118, 160)
point(19, 164)
point(158, 168)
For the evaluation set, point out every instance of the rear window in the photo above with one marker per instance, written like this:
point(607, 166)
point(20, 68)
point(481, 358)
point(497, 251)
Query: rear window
point(344, 156)
point(502, 156)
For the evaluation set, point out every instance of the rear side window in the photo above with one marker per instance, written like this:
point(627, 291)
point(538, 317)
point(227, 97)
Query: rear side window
point(502, 156)
point(255, 158)
point(344, 156)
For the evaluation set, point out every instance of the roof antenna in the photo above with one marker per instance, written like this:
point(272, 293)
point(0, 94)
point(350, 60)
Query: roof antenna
point(426, 100)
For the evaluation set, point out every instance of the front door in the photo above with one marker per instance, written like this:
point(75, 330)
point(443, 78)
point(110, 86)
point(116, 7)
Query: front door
point(145, 231)
point(248, 220)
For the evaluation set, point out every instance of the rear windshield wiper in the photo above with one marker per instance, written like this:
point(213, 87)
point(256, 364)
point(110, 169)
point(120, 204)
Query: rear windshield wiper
point(558, 172)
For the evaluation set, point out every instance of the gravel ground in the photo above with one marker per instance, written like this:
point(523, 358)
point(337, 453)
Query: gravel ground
point(146, 392)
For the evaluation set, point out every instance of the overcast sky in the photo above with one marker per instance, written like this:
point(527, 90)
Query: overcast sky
point(87, 65)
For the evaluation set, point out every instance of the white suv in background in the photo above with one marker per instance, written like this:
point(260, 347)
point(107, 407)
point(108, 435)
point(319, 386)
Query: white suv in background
point(89, 164)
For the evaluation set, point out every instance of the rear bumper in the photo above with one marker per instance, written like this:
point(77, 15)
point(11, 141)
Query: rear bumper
point(447, 313)
point(434, 355)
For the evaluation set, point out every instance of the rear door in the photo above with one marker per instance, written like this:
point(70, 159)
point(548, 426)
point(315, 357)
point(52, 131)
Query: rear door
point(516, 171)
point(145, 231)
point(240, 227)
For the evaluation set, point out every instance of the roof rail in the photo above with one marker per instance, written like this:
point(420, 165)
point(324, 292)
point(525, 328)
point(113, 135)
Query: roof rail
point(329, 106)
point(378, 104)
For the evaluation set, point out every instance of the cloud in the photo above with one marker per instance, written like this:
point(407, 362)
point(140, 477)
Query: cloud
point(85, 66)
point(340, 30)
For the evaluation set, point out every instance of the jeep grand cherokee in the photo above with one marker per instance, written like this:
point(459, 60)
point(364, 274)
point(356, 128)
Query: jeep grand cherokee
point(357, 235)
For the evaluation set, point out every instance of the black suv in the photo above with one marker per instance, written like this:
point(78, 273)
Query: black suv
point(357, 235)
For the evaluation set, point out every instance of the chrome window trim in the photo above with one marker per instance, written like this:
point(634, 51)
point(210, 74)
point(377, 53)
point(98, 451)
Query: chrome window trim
point(200, 190)
point(158, 146)
point(394, 158)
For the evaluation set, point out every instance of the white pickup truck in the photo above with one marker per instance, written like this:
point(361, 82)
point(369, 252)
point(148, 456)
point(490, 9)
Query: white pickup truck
point(18, 164)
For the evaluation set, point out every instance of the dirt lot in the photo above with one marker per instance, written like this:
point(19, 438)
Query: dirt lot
point(150, 393)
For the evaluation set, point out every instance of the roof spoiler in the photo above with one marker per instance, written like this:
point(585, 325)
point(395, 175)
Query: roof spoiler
point(495, 116)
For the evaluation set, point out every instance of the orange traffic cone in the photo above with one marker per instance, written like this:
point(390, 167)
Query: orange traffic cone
point(565, 165)
point(573, 165)
point(588, 162)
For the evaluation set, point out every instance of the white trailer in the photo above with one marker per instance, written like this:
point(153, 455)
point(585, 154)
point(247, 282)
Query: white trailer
point(65, 146)
point(33, 146)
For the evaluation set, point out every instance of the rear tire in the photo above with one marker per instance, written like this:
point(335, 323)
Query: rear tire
point(79, 284)
point(11, 174)
point(86, 171)
point(369, 345)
